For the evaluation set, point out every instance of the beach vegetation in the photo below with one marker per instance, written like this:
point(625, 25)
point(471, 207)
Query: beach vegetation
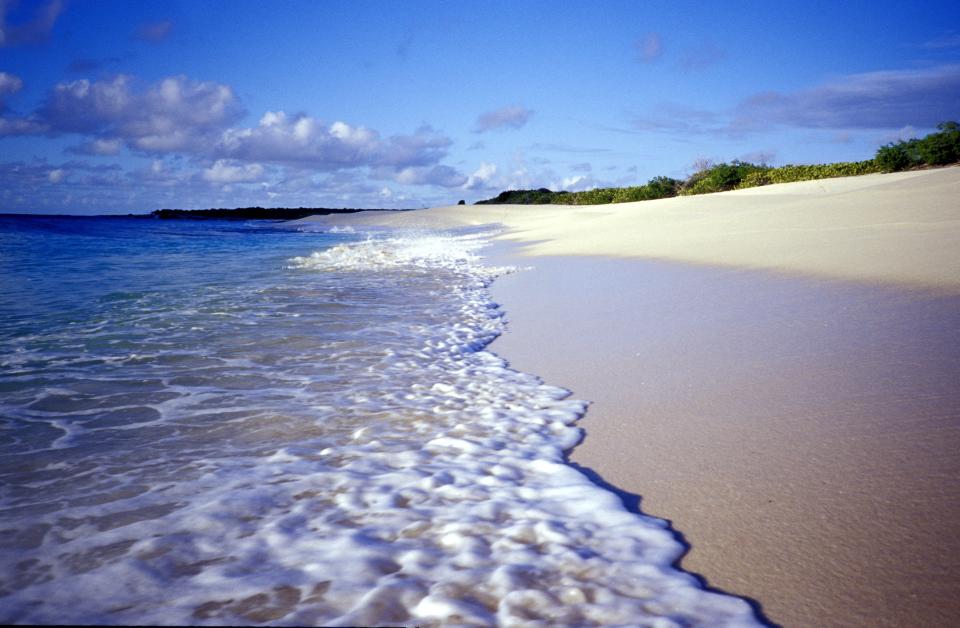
point(896, 157)
point(657, 187)
point(936, 149)
point(809, 172)
point(940, 149)
point(719, 177)
point(540, 196)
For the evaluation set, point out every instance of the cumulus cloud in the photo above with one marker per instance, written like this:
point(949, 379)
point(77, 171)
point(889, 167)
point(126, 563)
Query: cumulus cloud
point(570, 183)
point(649, 48)
point(872, 100)
point(9, 84)
point(32, 30)
point(101, 146)
point(95, 188)
point(481, 177)
point(183, 121)
point(442, 176)
point(907, 132)
point(173, 114)
point(303, 140)
point(224, 171)
point(20, 126)
point(506, 117)
point(184, 116)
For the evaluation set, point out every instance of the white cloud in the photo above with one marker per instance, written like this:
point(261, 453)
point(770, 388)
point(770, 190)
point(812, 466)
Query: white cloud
point(9, 83)
point(56, 175)
point(902, 134)
point(223, 171)
point(303, 140)
point(99, 146)
point(106, 146)
point(175, 113)
point(506, 117)
point(442, 176)
point(188, 121)
point(571, 182)
point(481, 176)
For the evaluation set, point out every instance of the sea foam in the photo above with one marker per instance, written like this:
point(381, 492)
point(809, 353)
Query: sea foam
point(432, 489)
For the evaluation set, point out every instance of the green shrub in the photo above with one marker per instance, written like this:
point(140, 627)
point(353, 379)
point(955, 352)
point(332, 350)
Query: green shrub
point(894, 157)
point(720, 177)
point(539, 196)
point(657, 187)
point(940, 149)
point(662, 187)
point(755, 179)
point(791, 173)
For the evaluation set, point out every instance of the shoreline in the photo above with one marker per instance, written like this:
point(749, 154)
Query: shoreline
point(772, 370)
point(808, 469)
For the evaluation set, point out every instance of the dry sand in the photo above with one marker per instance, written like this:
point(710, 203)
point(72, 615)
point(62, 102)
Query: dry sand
point(775, 370)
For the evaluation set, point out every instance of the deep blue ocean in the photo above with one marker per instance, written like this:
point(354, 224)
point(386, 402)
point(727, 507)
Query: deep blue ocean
point(218, 422)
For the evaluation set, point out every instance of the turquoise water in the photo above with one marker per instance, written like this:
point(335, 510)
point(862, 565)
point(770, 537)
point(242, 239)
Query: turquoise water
point(222, 422)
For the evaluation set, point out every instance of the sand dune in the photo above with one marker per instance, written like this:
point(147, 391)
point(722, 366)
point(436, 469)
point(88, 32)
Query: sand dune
point(897, 228)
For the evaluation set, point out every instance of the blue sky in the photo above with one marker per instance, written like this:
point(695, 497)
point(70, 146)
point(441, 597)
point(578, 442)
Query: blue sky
point(120, 106)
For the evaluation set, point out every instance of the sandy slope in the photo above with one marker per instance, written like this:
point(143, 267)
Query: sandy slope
point(788, 395)
point(901, 228)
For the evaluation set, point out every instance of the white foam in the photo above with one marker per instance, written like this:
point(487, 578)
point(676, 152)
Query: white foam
point(446, 500)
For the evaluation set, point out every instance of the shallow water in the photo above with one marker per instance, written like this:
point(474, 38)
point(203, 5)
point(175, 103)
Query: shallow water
point(237, 423)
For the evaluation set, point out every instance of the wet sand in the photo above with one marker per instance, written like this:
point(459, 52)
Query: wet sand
point(801, 434)
point(775, 370)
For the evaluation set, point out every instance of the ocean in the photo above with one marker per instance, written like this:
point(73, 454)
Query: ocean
point(213, 422)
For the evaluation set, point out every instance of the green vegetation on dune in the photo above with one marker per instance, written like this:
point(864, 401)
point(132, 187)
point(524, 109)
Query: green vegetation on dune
point(543, 196)
point(791, 173)
point(936, 149)
point(658, 187)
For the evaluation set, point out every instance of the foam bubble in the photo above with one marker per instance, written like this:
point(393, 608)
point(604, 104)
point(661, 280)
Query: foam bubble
point(399, 474)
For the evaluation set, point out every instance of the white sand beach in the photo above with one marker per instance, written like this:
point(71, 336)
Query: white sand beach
point(774, 370)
